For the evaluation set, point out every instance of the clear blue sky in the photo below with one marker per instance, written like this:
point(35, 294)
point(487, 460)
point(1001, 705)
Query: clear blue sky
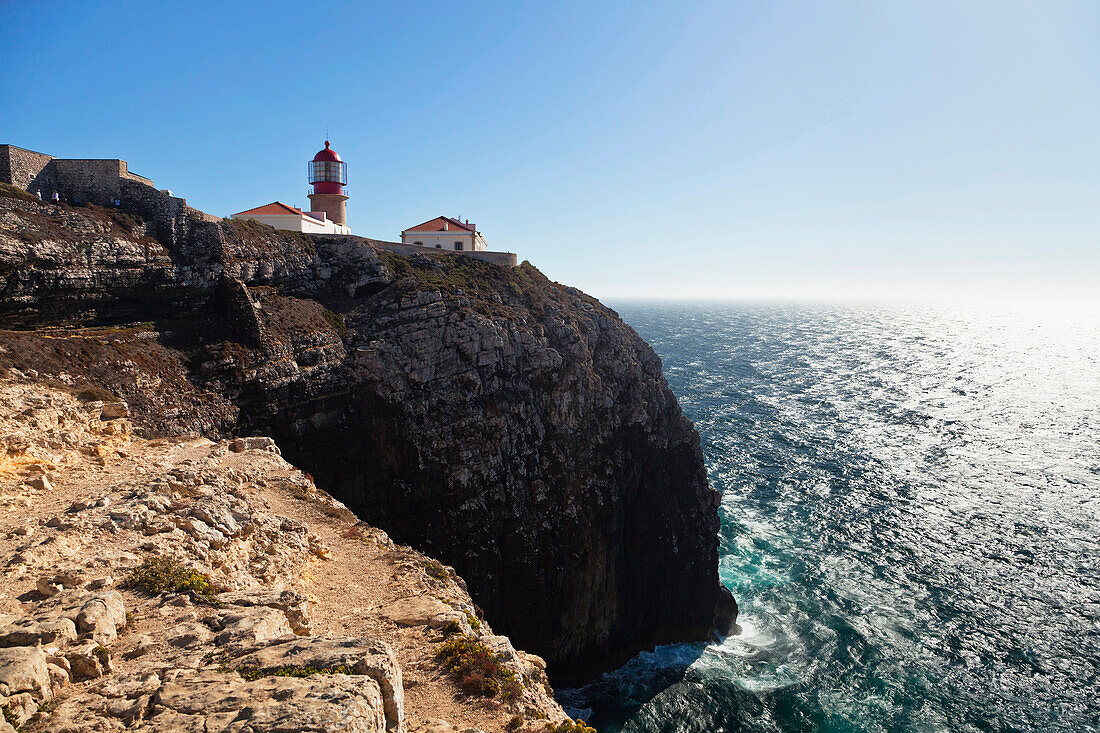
point(629, 148)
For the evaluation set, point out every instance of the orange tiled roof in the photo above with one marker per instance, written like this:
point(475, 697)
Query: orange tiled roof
point(275, 208)
point(436, 225)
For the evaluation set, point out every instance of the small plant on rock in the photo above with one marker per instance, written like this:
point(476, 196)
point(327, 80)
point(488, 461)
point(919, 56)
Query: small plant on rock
point(570, 727)
point(336, 320)
point(252, 674)
point(12, 719)
point(435, 569)
point(479, 669)
point(162, 575)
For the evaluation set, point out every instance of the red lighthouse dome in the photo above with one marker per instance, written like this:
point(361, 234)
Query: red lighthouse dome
point(327, 172)
point(328, 175)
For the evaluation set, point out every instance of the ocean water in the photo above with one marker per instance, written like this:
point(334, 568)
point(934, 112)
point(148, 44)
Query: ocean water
point(910, 520)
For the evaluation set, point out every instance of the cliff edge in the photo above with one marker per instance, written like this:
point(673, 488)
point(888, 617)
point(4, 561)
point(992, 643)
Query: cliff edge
point(512, 427)
point(180, 584)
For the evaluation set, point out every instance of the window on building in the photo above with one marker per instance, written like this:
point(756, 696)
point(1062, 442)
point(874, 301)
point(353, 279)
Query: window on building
point(458, 245)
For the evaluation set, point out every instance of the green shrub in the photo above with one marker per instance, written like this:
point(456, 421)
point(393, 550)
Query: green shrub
point(251, 674)
point(337, 322)
point(12, 719)
point(435, 569)
point(161, 575)
point(479, 669)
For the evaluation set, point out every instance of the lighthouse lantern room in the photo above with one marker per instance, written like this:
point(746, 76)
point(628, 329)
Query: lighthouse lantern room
point(328, 175)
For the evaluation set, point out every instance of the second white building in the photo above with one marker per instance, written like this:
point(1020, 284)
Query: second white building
point(443, 232)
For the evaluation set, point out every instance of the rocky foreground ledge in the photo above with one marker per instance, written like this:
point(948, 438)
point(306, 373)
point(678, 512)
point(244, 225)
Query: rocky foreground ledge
point(182, 584)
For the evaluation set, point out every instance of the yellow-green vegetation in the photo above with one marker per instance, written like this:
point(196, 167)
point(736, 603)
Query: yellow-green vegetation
point(161, 575)
point(475, 624)
point(251, 674)
point(479, 669)
point(448, 273)
point(14, 192)
point(12, 719)
point(523, 288)
point(337, 322)
point(435, 569)
point(574, 727)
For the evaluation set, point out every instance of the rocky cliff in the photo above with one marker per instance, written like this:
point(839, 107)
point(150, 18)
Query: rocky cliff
point(181, 584)
point(512, 427)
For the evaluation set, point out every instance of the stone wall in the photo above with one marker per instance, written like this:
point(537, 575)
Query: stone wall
point(27, 169)
point(96, 180)
point(508, 259)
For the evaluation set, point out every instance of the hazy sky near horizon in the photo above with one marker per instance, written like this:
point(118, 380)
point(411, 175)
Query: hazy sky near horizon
point(633, 149)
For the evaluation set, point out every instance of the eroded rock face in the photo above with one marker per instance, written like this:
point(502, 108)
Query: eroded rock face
point(514, 428)
point(538, 449)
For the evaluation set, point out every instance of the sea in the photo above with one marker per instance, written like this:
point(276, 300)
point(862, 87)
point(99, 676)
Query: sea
point(910, 519)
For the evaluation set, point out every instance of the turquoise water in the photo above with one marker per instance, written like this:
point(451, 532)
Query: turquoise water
point(910, 520)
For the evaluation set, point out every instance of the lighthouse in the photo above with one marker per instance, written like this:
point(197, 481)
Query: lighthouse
point(328, 175)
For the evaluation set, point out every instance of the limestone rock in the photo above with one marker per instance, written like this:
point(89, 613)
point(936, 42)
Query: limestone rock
point(196, 700)
point(40, 483)
point(370, 659)
point(23, 669)
point(114, 411)
point(293, 604)
point(261, 443)
point(32, 631)
point(241, 626)
point(51, 585)
point(424, 611)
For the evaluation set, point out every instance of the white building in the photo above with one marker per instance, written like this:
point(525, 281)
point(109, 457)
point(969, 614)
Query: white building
point(443, 232)
point(285, 216)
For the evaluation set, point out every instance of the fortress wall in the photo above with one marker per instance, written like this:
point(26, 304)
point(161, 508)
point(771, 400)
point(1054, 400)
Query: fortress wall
point(127, 173)
point(96, 181)
point(27, 169)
